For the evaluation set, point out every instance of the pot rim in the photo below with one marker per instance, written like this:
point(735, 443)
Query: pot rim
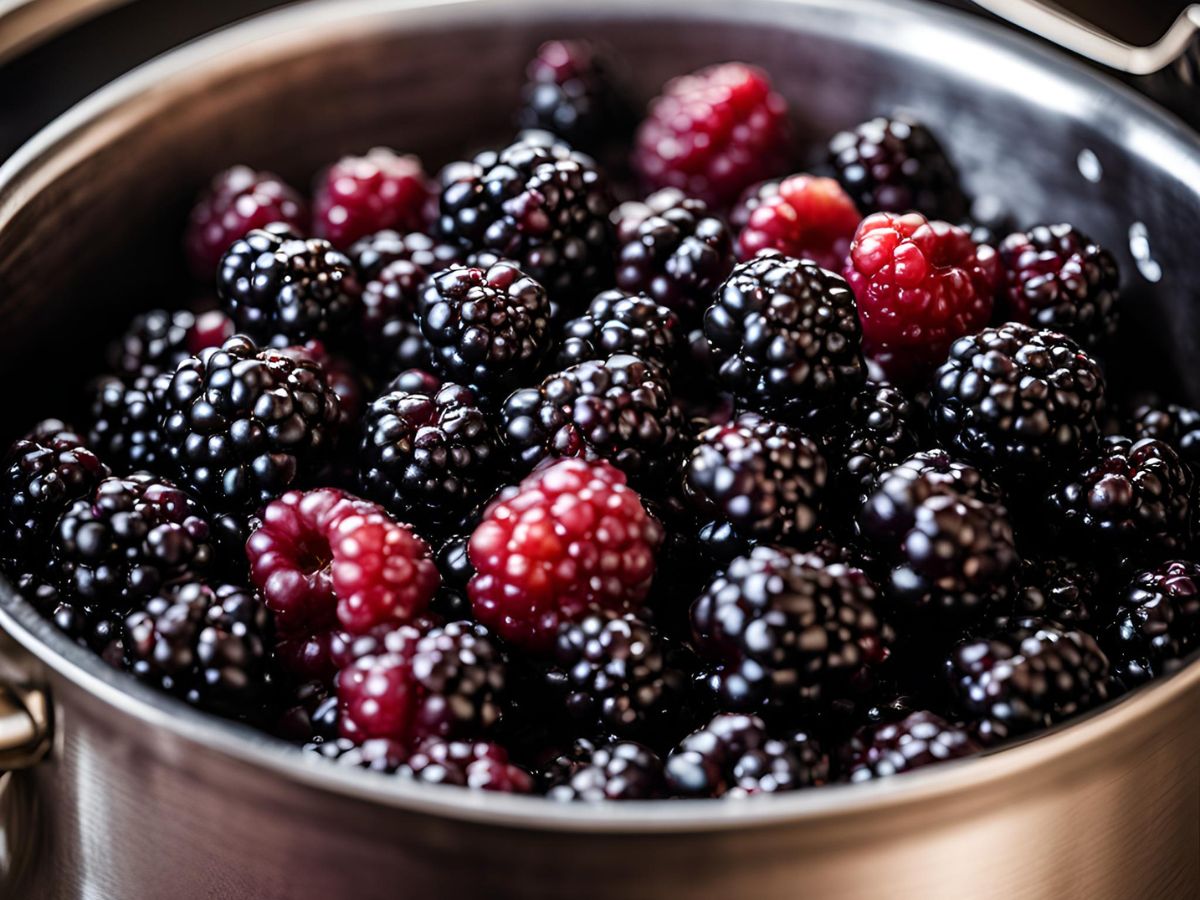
point(958, 38)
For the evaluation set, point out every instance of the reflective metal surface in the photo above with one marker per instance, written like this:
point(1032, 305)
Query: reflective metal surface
point(142, 797)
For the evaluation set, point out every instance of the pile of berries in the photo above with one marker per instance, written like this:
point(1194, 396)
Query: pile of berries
point(764, 481)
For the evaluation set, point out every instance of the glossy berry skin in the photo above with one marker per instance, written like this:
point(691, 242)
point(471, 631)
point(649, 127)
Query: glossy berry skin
point(157, 341)
point(360, 195)
point(897, 165)
point(785, 335)
point(478, 765)
point(617, 322)
point(781, 629)
point(803, 216)
point(1176, 425)
point(673, 249)
point(1027, 674)
point(1157, 622)
point(734, 756)
point(877, 430)
point(281, 288)
point(1019, 403)
point(1063, 590)
point(609, 770)
point(571, 536)
point(570, 92)
point(713, 133)
point(919, 285)
point(619, 409)
point(241, 425)
point(485, 328)
point(1129, 502)
point(375, 252)
point(920, 739)
point(126, 416)
point(1058, 278)
point(238, 201)
point(376, 755)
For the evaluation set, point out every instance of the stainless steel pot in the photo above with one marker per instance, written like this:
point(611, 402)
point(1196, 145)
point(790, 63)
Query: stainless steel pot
point(140, 797)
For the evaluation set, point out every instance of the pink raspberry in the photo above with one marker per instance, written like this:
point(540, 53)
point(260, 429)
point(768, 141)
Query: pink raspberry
point(570, 537)
point(713, 133)
point(919, 286)
point(360, 195)
point(802, 216)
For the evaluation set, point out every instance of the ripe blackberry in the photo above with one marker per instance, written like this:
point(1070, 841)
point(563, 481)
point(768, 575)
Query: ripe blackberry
point(878, 430)
point(538, 203)
point(571, 536)
point(375, 252)
point(361, 195)
point(614, 770)
point(156, 341)
point(802, 216)
point(919, 285)
point(1027, 674)
point(125, 421)
point(207, 645)
point(1057, 278)
point(897, 165)
point(238, 201)
point(733, 755)
point(427, 456)
point(673, 249)
point(88, 624)
point(241, 425)
point(570, 92)
point(390, 328)
point(785, 335)
point(477, 765)
point(921, 739)
point(459, 672)
point(1176, 425)
point(1063, 590)
point(713, 133)
point(43, 473)
point(617, 322)
point(764, 479)
point(619, 409)
point(280, 287)
point(1129, 503)
point(129, 539)
point(1020, 403)
point(378, 755)
point(485, 328)
point(1157, 623)
point(451, 601)
point(782, 629)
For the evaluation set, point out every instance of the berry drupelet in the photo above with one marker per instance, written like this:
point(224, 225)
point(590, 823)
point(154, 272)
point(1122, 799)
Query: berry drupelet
point(375, 252)
point(538, 203)
point(126, 416)
point(619, 409)
point(570, 92)
point(673, 249)
point(607, 770)
point(360, 195)
point(919, 285)
point(1057, 278)
point(920, 739)
point(478, 765)
point(1063, 590)
point(878, 429)
point(713, 133)
point(785, 335)
point(617, 322)
point(897, 165)
point(1157, 622)
point(1019, 403)
point(802, 216)
point(157, 341)
point(571, 536)
point(1176, 425)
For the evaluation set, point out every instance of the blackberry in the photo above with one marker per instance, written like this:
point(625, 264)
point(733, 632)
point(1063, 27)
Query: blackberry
point(1157, 623)
point(1020, 403)
point(43, 473)
point(877, 430)
point(427, 456)
point(538, 203)
point(921, 739)
point(613, 770)
point(673, 249)
point(1129, 503)
point(375, 252)
point(452, 601)
point(88, 624)
point(377, 755)
point(126, 416)
point(241, 425)
point(156, 341)
point(616, 674)
point(780, 630)
point(733, 755)
point(897, 165)
point(617, 322)
point(1063, 590)
point(619, 409)
point(279, 286)
point(206, 645)
point(1176, 425)
point(390, 328)
point(485, 328)
point(1057, 278)
point(763, 479)
point(459, 673)
point(477, 765)
point(785, 335)
point(1026, 674)
point(129, 539)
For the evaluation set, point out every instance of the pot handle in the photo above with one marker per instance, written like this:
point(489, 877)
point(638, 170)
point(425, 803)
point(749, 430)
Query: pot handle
point(24, 726)
point(1075, 34)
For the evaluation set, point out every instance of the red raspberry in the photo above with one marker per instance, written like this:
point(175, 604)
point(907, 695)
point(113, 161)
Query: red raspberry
point(377, 694)
point(571, 537)
point(802, 216)
point(919, 286)
point(713, 133)
point(238, 201)
point(360, 195)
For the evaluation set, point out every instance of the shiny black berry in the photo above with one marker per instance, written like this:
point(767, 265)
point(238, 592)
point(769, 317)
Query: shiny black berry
point(617, 322)
point(920, 739)
point(1157, 622)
